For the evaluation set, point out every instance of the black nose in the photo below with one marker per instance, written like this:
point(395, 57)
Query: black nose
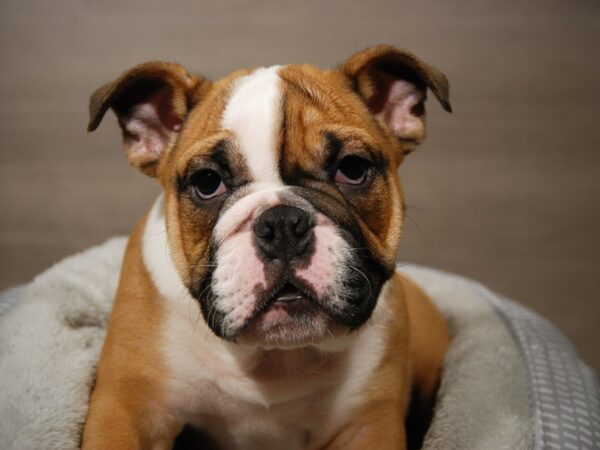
point(284, 232)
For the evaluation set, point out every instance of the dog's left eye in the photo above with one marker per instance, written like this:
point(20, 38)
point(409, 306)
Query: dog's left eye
point(208, 184)
point(352, 170)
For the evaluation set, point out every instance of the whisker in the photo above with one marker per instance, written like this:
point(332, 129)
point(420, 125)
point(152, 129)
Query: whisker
point(414, 222)
point(365, 277)
point(355, 249)
point(418, 208)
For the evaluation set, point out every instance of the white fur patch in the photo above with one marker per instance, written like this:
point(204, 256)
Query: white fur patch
point(364, 356)
point(253, 114)
point(238, 276)
point(329, 264)
point(157, 257)
point(211, 389)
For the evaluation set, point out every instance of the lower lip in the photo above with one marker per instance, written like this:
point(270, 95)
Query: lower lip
point(287, 322)
point(275, 313)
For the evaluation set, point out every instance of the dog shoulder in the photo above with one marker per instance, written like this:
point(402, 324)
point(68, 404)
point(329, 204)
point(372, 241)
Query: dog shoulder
point(429, 342)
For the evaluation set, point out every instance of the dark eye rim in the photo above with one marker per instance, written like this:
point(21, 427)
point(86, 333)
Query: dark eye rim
point(202, 196)
point(366, 176)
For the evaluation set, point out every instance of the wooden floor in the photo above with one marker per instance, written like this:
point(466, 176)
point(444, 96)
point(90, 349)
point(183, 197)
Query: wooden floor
point(505, 190)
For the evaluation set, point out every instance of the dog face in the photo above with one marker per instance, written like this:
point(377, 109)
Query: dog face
point(282, 200)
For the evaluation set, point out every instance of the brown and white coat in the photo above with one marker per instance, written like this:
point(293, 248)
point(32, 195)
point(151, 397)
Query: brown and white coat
point(197, 335)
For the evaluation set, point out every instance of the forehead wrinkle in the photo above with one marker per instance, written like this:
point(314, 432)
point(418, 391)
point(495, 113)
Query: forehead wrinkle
point(326, 92)
point(307, 92)
point(253, 114)
point(192, 149)
point(316, 87)
point(321, 107)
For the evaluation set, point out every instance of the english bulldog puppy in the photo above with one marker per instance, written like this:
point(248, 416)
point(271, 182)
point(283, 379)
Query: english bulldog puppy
point(258, 303)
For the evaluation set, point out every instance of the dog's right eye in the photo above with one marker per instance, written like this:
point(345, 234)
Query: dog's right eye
point(352, 170)
point(208, 184)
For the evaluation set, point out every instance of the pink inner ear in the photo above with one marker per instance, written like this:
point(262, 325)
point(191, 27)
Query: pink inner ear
point(398, 110)
point(150, 126)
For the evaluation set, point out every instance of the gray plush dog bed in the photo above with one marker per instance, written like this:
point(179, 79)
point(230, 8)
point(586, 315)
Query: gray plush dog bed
point(511, 380)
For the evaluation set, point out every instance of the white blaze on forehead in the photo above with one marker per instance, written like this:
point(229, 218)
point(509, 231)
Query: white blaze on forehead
point(253, 114)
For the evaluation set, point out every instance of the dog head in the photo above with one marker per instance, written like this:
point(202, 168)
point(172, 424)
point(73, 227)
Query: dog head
point(283, 205)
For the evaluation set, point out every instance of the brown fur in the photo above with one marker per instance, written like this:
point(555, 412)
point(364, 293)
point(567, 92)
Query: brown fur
point(127, 406)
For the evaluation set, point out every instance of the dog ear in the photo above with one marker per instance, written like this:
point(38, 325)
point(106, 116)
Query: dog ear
point(393, 83)
point(151, 101)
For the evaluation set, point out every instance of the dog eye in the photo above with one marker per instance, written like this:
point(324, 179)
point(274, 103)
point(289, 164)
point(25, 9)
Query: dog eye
point(208, 184)
point(352, 170)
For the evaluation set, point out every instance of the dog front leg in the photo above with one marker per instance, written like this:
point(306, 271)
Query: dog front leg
point(115, 422)
point(381, 429)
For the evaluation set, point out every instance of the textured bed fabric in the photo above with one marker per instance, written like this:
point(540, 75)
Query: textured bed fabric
point(564, 391)
point(49, 344)
point(483, 399)
point(494, 394)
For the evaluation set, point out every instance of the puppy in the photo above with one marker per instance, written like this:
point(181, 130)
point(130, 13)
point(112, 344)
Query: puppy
point(258, 299)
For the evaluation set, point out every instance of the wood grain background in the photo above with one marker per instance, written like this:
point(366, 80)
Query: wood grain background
point(506, 190)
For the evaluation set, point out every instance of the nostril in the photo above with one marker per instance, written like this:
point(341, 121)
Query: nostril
point(264, 230)
point(300, 225)
point(303, 244)
point(283, 232)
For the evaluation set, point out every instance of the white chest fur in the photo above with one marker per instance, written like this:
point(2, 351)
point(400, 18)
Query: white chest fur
point(245, 397)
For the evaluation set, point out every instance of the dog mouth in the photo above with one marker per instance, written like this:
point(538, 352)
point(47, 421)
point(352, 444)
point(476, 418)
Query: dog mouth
point(288, 314)
point(288, 294)
point(290, 297)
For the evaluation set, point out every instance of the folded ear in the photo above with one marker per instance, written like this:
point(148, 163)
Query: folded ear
point(393, 83)
point(151, 102)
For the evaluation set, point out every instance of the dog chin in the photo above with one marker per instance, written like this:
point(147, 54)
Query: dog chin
point(287, 326)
